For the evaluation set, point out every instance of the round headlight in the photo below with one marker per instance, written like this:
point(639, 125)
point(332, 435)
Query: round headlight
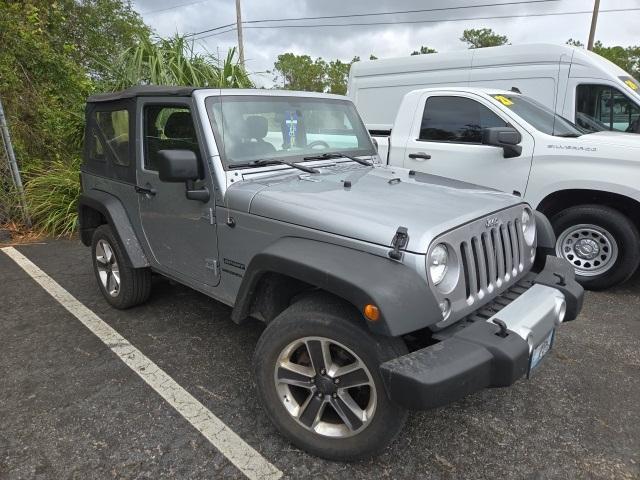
point(528, 227)
point(438, 263)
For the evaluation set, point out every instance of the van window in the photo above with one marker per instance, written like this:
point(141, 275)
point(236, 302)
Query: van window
point(456, 119)
point(601, 107)
point(167, 127)
point(111, 135)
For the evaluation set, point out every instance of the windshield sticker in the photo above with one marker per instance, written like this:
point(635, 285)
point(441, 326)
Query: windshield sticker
point(630, 82)
point(291, 128)
point(503, 100)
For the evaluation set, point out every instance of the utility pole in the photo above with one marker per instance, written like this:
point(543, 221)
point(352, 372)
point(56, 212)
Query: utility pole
point(239, 28)
point(13, 165)
point(594, 21)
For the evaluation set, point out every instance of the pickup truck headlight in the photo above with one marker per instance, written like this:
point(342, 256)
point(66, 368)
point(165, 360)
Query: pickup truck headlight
point(437, 263)
point(528, 227)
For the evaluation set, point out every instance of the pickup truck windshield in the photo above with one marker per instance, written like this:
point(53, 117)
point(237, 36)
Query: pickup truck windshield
point(538, 116)
point(259, 127)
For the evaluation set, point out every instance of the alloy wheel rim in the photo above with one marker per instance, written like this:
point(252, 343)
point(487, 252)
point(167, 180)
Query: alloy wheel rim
point(325, 387)
point(591, 249)
point(108, 269)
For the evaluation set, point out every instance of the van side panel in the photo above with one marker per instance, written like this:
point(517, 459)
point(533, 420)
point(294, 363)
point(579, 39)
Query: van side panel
point(378, 104)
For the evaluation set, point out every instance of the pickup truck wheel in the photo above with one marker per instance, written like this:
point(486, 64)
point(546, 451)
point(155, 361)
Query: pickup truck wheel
point(121, 285)
point(317, 375)
point(601, 243)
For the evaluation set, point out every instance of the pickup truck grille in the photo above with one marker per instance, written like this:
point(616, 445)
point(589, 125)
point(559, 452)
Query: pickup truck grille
point(492, 259)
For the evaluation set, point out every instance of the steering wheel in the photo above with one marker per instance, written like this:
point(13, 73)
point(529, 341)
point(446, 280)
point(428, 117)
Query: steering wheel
point(318, 143)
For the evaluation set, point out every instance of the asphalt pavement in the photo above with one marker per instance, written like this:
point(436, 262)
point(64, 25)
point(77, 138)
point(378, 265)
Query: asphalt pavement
point(70, 407)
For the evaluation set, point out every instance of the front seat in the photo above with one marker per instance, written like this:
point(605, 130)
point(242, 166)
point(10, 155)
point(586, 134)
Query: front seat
point(256, 127)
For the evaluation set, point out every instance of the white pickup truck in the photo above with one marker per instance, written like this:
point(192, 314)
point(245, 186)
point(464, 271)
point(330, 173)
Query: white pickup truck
point(587, 184)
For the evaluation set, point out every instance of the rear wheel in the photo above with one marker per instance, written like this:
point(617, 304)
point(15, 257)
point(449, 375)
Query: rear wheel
point(602, 244)
point(317, 375)
point(121, 285)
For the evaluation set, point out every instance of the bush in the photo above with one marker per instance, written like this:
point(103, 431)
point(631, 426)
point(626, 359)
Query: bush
point(52, 193)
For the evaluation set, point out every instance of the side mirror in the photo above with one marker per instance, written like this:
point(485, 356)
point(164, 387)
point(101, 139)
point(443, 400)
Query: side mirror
point(182, 166)
point(375, 143)
point(506, 138)
point(177, 166)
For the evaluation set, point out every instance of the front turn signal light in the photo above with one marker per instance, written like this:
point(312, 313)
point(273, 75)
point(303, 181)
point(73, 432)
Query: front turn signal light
point(371, 312)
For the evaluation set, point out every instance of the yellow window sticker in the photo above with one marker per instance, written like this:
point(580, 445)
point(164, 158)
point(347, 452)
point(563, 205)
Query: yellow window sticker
point(503, 100)
point(631, 84)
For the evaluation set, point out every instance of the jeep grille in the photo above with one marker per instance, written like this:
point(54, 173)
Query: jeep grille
point(492, 256)
point(492, 259)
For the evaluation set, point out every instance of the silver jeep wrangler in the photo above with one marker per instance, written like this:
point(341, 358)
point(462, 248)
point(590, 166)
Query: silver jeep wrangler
point(381, 289)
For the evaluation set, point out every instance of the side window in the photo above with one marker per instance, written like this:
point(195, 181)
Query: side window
point(110, 134)
point(601, 107)
point(456, 119)
point(167, 127)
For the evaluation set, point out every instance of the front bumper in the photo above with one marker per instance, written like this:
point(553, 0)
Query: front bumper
point(476, 353)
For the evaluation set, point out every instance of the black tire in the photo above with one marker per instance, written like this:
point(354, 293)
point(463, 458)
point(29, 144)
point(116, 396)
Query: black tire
point(135, 283)
point(324, 316)
point(622, 230)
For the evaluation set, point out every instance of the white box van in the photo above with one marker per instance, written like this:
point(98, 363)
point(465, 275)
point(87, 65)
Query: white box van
point(578, 85)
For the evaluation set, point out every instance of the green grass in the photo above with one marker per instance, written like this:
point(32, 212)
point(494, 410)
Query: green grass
point(52, 193)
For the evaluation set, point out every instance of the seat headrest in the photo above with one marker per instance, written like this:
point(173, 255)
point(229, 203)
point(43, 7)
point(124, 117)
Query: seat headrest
point(179, 125)
point(256, 127)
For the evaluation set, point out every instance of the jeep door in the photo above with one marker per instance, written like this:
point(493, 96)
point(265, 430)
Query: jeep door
point(180, 233)
point(445, 140)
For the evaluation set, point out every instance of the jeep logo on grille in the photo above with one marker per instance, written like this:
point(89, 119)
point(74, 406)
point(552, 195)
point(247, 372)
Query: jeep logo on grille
point(491, 222)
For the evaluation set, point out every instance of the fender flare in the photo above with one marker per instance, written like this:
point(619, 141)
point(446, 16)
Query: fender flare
point(546, 235)
point(405, 302)
point(113, 211)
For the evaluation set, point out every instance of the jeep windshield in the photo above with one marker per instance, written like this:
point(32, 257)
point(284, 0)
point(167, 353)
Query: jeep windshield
point(250, 130)
point(538, 116)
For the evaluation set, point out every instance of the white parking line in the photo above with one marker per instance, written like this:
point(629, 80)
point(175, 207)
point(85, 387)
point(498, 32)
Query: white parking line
point(242, 455)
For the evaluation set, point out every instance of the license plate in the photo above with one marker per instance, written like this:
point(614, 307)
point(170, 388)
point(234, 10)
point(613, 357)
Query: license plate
point(540, 351)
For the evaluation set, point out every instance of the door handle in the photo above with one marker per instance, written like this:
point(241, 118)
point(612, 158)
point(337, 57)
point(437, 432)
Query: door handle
point(420, 155)
point(146, 191)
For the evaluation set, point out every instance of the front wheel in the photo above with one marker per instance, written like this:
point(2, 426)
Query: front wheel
point(317, 375)
point(602, 244)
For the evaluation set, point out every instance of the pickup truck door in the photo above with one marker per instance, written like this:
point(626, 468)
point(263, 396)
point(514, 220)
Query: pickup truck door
point(180, 233)
point(445, 140)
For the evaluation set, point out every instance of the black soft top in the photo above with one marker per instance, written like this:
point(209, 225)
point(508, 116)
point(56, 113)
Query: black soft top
point(142, 91)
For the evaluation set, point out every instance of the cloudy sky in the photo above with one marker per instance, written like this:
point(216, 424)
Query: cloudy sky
point(263, 45)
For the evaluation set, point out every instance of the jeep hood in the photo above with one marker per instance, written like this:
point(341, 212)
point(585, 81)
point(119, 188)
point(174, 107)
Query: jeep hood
point(377, 202)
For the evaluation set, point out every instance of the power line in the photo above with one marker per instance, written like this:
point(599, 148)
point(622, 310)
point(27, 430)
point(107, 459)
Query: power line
point(399, 12)
point(582, 12)
point(166, 9)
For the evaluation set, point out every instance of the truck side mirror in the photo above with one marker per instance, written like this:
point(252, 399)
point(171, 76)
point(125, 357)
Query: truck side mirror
point(182, 166)
point(177, 165)
point(507, 138)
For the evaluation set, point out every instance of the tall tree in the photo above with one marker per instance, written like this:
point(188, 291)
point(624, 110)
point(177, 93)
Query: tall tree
point(627, 58)
point(482, 37)
point(300, 72)
point(337, 76)
point(424, 50)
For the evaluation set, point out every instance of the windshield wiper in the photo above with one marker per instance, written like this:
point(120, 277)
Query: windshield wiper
point(273, 161)
point(327, 156)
